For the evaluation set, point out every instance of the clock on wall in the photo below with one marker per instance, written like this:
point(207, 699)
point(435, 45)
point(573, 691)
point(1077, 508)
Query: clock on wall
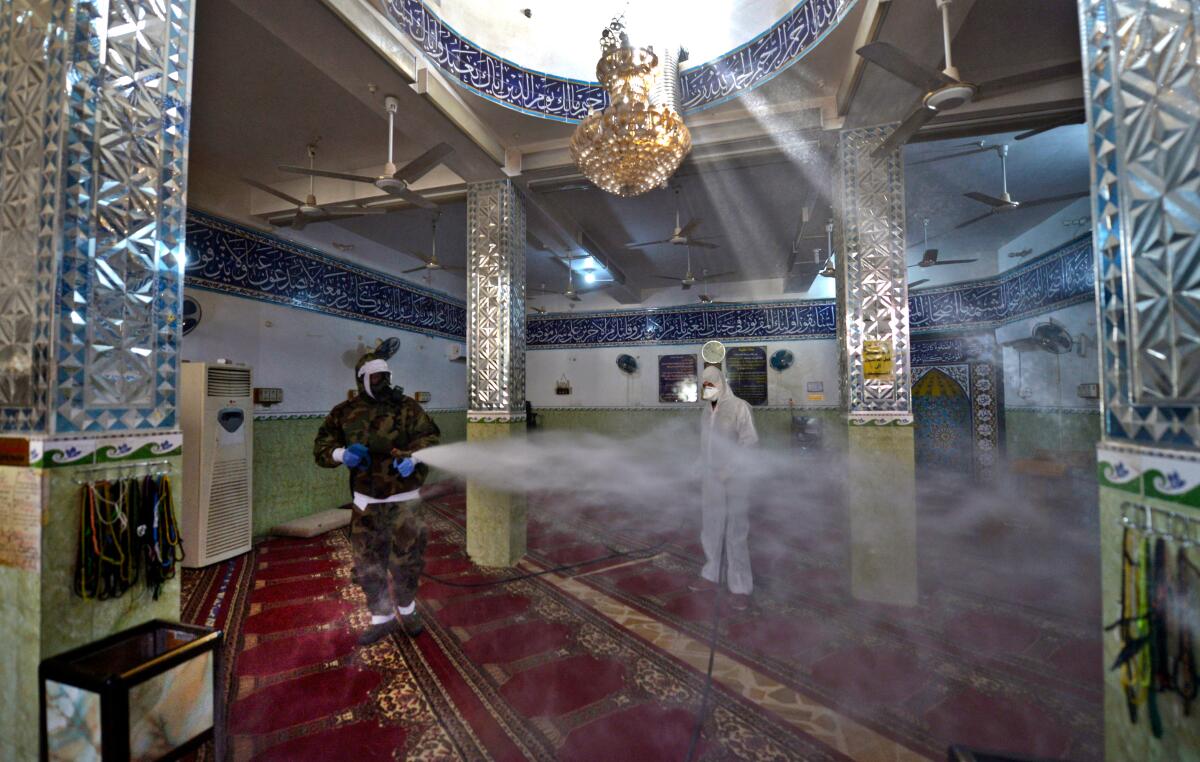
point(191, 314)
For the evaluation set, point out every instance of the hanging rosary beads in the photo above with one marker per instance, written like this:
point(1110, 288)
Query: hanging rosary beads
point(126, 527)
point(1159, 608)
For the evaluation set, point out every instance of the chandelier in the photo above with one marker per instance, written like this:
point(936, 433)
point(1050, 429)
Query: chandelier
point(635, 144)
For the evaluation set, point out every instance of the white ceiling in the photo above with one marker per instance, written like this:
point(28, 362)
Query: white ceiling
point(262, 91)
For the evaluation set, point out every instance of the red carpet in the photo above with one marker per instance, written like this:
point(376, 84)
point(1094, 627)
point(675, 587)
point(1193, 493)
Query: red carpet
point(525, 671)
point(520, 671)
point(981, 661)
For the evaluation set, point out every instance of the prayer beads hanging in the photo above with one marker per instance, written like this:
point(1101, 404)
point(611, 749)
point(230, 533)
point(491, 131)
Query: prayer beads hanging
point(127, 531)
point(1159, 607)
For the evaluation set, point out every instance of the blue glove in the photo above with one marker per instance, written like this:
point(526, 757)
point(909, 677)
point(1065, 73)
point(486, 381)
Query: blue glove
point(356, 456)
point(404, 467)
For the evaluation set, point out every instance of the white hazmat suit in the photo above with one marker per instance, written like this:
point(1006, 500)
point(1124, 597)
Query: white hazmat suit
point(725, 427)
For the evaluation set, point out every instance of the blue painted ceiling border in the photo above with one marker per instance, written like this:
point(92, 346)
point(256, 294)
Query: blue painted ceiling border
point(1059, 278)
point(225, 257)
point(568, 100)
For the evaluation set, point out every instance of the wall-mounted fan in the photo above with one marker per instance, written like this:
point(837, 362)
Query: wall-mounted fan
point(191, 314)
point(782, 359)
point(627, 363)
point(1048, 337)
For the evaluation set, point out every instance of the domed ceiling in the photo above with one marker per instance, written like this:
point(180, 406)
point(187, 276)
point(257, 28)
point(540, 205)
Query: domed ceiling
point(539, 56)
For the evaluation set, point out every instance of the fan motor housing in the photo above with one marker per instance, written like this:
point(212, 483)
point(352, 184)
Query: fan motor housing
point(950, 96)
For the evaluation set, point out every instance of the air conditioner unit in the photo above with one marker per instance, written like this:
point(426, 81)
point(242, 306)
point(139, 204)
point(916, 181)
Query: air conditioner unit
point(217, 412)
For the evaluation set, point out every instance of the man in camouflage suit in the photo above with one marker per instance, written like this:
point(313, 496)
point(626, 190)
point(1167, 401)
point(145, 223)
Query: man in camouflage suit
point(374, 434)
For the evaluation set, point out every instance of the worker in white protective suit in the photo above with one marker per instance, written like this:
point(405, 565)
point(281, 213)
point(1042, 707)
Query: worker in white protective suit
point(726, 423)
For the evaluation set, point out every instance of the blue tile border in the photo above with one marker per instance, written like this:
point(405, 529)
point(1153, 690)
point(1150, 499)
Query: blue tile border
point(569, 100)
point(1059, 278)
point(225, 257)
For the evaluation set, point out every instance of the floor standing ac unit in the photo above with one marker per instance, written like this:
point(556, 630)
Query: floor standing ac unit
point(217, 414)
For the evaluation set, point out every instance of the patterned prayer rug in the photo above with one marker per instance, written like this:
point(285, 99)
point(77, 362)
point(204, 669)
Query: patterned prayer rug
point(523, 670)
point(1004, 672)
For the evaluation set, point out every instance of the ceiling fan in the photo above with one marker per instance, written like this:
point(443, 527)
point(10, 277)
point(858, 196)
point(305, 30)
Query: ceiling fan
point(918, 282)
point(309, 210)
point(704, 296)
point(689, 280)
point(570, 293)
point(945, 90)
point(432, 263)
point(930, 257)
point(806, 214)
point(681, 235)
point(1006, 203)
point(395, 181)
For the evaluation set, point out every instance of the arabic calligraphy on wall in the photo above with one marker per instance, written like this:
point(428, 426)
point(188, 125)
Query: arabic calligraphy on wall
point(568, 100)
point(1057, 279)
point(222, 256)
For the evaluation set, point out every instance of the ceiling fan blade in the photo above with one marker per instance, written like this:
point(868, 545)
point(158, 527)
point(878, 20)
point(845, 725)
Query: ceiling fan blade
point(325, 173)
point(687, 229)
point(541, 291)
point(1002, 85)
point(415, 269)
point(916, 283)
point(1051, 126)
point(972, 221)
point(299, 221)
point(268, 189)
point(668, 277)
point(643, 244)
point(954, 155)
point(423, 164)
point(898, 63)
point(719, 275)
point(414, 198)
point(352, 209)
point(685, 286)
point(953, 261)
point(703, 244)
point(573, 297)
point(453, 269)
point(1053, 199)
point(909, 127)
point(984, 198)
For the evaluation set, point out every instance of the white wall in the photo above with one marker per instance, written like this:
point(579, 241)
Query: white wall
point(1038, 379)
point(1047, 235)
point(306, 353)
point(596, 381)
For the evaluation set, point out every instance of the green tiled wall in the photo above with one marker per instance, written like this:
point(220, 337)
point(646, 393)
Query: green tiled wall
point(289, 485)
point(1029, 430)
point(20, 617)
point(69, 621)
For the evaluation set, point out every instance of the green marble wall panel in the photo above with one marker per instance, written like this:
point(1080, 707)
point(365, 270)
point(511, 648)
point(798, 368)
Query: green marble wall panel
point(1124, 740)
point(289, 485)
point(20, 617)
point(1030, 430)
point(69, 621)
point(496, 520)
point(881, 498)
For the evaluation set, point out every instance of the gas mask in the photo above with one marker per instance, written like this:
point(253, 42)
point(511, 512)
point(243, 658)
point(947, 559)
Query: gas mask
point(378, 372)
